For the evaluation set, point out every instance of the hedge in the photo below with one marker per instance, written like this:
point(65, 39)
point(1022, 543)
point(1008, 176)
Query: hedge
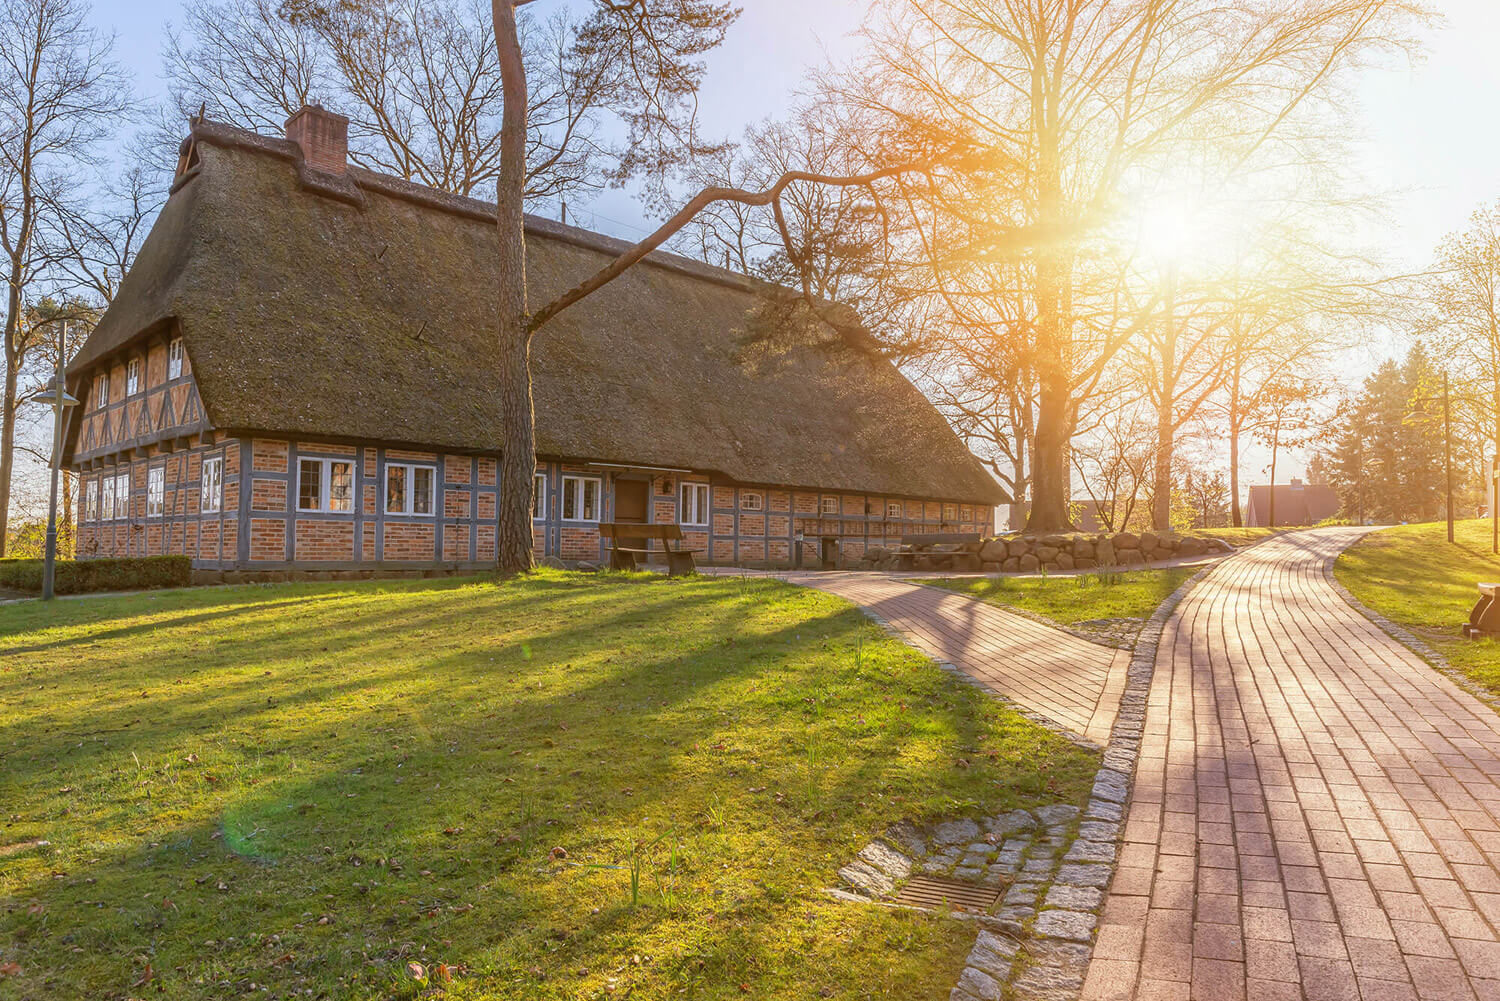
point(77, 576)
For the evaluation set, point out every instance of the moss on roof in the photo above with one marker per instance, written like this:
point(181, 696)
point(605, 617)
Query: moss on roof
point(364, 309)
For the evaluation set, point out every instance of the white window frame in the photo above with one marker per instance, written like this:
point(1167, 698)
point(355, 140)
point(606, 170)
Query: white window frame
point(695, 502)
point(101, 390)
point(752, 500)
point(325, 484)
point(823, 505)
point(894, 509)
point(539, 497)
point(174, 358)
point(122, 496)
point(107, 498)
point(132, 377)
point(573, 489)
point(408, 510)
point(91, 500)
point(156, 491)
point(211, 487)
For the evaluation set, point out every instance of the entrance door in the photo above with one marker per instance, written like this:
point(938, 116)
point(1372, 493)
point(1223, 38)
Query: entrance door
point(632, 498)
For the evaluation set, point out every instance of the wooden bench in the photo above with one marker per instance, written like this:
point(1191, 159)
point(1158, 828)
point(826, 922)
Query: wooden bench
point(679, 559)
point(1484, 619)
point(913, 546)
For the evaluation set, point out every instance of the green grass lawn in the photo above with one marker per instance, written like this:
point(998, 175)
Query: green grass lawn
point(1125, 594)
point(1412, 575)
point(308, 787)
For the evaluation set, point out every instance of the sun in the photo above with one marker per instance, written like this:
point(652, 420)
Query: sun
point(1168, 229)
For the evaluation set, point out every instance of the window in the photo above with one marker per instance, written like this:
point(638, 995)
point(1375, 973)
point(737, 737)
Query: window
point(893, 509)
point(325, 485)
point(108, 510)
point(695, 503)
point(752, 500)
point(156, 492)
point(539, 497)
point(122, 495)
point(132, 377)
point(829, 505)
point(408, 489)
point(101, 390)
point(174, 358)
point(213, 483)
point(580, 498)
point(91, 500)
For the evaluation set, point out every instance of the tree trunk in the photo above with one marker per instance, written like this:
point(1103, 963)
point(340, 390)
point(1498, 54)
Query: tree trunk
point(7, 435)
point(65, 534)
point(1049, 460)
point(1235, 518)
point(513, 338)
point(1161, 486)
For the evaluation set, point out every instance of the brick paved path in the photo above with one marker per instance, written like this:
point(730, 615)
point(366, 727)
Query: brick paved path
point(1316, 813)
point(1067, 679)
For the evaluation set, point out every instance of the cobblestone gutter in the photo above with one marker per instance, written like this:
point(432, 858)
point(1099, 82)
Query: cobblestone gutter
point(1052, 962)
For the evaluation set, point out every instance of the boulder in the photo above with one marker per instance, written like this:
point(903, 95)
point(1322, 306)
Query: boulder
point(994, 549)
point(1127, 540)
point(966, 562)
point(1019, 547)
point(1055, 541)
point(1131, 557)
point(1029, 562)
point(1148, 541)
point(1104, 552)
point(1047, 553)
point(990, 566)
point(875, 553)
point(1085, 563)
point(1011, 564)
point(1065, 561)
point(1083, 548)
point(1192, 547)
point(1050, 566)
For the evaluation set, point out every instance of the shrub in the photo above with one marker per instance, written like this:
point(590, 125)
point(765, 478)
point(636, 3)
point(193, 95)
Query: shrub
point(78, 576)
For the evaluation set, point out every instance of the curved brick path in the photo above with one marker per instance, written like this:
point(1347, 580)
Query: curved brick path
point(1315, 813)
point(1055, 674)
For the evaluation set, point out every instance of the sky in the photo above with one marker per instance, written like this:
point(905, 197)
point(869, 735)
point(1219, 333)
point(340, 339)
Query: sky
point(1432, 144)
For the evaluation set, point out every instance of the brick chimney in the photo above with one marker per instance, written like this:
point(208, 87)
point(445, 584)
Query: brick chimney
point(323, 136)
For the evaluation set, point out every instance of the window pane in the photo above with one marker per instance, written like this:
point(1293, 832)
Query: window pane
point(341, 486)
point(155, 491)
point(108, 510)
point(590, 500)
point(122, 496)
point(569, 498)
point(310, 485)
point(174, 359)
point(395, 489)
point(538, 496)
point(421, 489)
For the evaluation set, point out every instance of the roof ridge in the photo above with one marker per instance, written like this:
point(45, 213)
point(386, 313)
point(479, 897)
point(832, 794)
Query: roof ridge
point(225, 134)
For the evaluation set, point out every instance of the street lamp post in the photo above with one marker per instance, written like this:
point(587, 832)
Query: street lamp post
point(56, 396)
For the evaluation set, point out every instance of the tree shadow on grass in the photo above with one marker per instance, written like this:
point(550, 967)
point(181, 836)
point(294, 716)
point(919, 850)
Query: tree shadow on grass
point(771, 709)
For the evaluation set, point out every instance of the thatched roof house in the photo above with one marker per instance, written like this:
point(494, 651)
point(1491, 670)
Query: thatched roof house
point(301, 316)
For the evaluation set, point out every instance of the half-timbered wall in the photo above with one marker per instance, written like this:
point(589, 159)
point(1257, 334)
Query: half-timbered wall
point(164, 408)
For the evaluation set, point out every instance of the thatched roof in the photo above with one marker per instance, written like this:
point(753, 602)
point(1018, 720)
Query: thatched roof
point(362, 309)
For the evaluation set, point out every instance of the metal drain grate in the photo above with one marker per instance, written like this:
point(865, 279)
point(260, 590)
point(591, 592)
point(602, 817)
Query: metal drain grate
point(939, 892)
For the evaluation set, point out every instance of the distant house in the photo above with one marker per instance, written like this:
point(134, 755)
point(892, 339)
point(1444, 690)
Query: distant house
point(293, 377)
point(1297, 503)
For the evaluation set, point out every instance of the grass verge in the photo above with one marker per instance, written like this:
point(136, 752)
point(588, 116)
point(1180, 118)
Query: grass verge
point(1124, 594)
point(559, 787)
point(1413, 576)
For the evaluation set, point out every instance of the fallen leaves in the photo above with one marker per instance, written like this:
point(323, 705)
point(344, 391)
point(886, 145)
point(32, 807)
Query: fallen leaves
point(10, 969)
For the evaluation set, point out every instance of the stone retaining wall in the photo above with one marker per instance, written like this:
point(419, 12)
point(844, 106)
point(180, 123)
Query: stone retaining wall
point(1031, 553)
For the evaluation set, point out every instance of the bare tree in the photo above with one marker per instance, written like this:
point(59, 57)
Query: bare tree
point(1463, 290)
point(1082, 96)
point(60, 92)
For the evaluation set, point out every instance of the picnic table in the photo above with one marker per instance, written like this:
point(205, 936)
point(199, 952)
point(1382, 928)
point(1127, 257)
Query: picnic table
point(915, 546)
point(622, 557)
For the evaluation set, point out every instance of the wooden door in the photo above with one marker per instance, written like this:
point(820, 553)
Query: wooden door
point(632, 498)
